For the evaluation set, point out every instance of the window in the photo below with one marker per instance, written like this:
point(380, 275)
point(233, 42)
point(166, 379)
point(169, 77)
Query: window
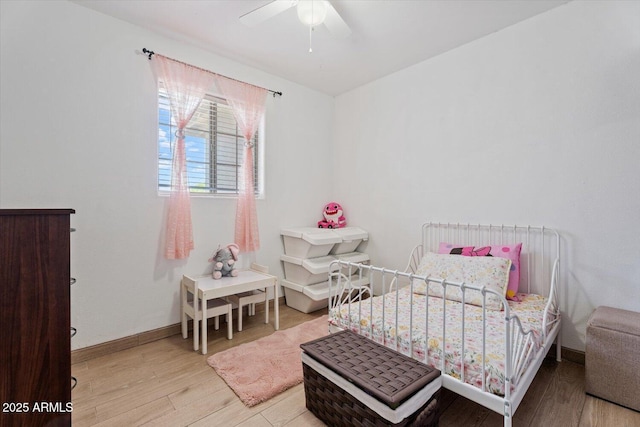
point(213, 147)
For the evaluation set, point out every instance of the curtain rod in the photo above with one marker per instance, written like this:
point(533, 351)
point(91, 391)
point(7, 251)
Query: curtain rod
point(150, 53)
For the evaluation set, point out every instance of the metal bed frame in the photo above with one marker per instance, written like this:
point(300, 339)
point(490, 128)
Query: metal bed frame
point(539, 274)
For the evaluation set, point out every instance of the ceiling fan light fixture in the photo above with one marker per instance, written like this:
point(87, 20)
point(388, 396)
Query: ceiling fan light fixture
point(311, 12)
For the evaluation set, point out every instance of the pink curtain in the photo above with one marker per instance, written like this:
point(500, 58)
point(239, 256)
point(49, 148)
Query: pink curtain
point(186, 87)
point(248, 104)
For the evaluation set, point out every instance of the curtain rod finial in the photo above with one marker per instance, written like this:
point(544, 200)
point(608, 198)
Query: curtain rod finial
point(148, 52)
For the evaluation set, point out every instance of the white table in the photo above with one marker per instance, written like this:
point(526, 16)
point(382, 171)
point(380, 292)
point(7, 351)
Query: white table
point(207, 288)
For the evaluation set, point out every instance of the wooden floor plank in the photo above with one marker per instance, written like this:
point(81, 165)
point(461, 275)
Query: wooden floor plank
point(196, 410)
point(306, 419)
point(600, 413)
point(256, 421)
point(231, 415)
point(193, 392)
point(526, 412)
point(84, 417)
point(563, 404)
point(92, 399)
point(463, 412)
point(288, 408)
point(125, 377)
point(139, 415)
point(154, 390)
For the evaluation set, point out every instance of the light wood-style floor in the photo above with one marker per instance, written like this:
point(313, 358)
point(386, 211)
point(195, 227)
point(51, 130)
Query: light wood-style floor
point(166, 383)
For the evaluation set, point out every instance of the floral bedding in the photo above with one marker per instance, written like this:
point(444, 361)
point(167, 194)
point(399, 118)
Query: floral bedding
point(529, 310)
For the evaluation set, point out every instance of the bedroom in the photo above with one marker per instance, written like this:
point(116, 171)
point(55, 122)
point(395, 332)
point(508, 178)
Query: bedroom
point(537, 123)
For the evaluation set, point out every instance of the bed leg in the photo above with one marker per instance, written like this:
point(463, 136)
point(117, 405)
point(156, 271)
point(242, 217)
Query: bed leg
point(558, 348)
point(507, 414)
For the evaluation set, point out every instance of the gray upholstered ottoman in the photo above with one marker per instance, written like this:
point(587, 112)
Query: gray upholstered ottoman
point(612, 357)
point(350, 380)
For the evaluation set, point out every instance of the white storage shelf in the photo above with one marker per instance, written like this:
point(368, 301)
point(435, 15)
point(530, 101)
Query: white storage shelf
point(308, 255)
point(309, 242)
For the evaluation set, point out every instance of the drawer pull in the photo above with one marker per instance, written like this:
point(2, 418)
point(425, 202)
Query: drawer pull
point(74, 331)
point(74, 382)
point(72, 281)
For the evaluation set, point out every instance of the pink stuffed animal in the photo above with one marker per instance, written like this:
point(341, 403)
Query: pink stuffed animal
point(333, 217)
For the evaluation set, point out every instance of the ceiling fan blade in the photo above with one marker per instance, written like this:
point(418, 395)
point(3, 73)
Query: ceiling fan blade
point(335, 24)
point(265, 12)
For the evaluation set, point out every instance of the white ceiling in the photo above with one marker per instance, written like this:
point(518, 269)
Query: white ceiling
point(387, 35)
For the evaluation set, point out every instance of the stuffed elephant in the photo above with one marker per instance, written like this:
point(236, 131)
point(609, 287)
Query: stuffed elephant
point(224, 260)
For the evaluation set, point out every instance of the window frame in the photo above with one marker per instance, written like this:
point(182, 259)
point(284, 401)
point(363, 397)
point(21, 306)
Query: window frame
point(259, 164)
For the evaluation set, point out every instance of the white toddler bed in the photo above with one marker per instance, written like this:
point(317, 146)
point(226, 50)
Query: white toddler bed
point(458, 320)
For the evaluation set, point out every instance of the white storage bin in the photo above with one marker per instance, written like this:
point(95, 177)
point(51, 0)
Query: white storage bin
point(317, 292)
point(309, 242)
point(315, 297)
point(306, 271)
point(355, 257)
point(351, 237)
point(306, 298)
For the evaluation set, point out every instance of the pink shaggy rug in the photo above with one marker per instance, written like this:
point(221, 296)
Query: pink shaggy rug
point(261, 369)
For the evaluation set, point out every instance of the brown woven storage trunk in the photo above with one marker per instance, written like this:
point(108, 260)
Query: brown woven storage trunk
point(390, 377)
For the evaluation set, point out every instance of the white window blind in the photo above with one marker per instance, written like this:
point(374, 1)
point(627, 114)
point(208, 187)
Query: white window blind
point(213, 147)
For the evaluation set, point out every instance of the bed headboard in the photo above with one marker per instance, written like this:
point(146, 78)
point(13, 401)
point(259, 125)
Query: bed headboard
point(539, 258)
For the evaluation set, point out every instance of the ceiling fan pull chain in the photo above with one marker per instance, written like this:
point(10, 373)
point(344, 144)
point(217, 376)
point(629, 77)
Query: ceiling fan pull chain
point(311, 26)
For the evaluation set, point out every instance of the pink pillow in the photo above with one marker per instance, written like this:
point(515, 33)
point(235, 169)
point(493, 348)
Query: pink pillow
point(511, 252)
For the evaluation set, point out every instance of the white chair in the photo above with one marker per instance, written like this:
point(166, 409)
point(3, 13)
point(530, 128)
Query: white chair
point(215, 308)
point(250, 299)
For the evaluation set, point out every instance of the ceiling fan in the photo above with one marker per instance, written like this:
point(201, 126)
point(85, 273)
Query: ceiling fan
point(310, 12)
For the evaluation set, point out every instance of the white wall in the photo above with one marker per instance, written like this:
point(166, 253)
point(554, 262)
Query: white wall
point(536, 124)
point(79, 130)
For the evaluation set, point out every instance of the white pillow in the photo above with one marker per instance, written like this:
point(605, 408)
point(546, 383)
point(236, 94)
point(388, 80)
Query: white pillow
point(491, 272)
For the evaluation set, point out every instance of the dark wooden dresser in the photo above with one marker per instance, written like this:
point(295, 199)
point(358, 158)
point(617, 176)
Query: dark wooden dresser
point(35, 329)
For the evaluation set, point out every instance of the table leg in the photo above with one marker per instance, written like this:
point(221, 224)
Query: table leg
point(266, 305)
point(196, 325)
point(183, 303)
point(203, 320)
point(276, 301)
point(230, 324)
